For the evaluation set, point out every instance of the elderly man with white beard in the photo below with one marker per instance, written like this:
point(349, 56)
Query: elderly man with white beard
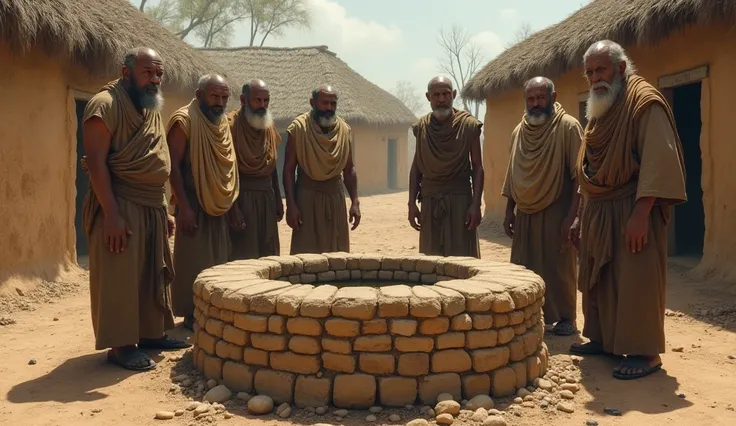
point(631, 173)
point(541, 188)
point(255, 215)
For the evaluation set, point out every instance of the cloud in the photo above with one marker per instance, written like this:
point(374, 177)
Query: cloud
point(490, 44)
point(508, 13)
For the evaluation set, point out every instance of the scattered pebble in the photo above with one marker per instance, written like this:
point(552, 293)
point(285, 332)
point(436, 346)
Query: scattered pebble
point(444, 397)
point(591, 422)
point(447, 406)
point(480, 401)
point(418, 422)
point(178, 413)
point(522, 393)
point(341, 413)
point(260, 404)
point(180, 378)
point(164, 415)
point(544, 384)
point(284, 410)
point(494, 421)
point(612, 411)
point(32, 362)
point(567, 394)
point(371, 418)
point(375, 409)
point(566, 407)
point(394, 418)
point(218, 393)
point(678, 349)
point(444, 419)
point(211, 383)
point(227, 415)
point(56, 319)
point(527, 404)
point(244, 396)
point(192, 405)
point(572, 387)
point(201, 409)
point(479, 415)
point(681, 395)
point(321, 410)
point(96, 410)
point(518, 400)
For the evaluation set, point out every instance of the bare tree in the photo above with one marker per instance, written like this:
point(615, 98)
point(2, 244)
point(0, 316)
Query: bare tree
point(166, 13)
point(143, 5)
point(272, 17)
point(408, 95)
point(522, 33)
point(219, 28)
point(461, 59)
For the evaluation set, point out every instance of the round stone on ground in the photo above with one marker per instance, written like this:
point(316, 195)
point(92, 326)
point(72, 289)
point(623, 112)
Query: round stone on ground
point(495, 421)
point(394, 418)
point(418, 422)
point(164, 415)
point(444, 419)
point(479, 415)
point(444, 397)
point(218, 393)
point(447, 406)
point(260, 404)
point(480, 401)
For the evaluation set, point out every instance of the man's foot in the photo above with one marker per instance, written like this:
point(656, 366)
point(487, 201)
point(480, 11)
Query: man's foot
point(634, 367)
point(590, 348)
point(165, 343)
point(564, 328)
point(130, 358)
point(188, 323)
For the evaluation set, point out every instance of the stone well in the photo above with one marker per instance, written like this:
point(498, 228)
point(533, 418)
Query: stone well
point(355, 330)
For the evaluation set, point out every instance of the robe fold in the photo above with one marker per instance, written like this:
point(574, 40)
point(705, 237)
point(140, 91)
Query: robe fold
point(443, 159)
point(129, 291)
point(539, 179)
point(632, 152)
point(321, 158)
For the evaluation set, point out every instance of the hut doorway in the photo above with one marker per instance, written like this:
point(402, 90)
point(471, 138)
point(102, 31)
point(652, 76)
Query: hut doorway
point(392, 157)
point(81, 184)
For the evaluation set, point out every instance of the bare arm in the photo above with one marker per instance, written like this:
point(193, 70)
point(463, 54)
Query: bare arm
point(177, 141)
point(96, 139)
point(275, 183)
point(289, 173)
point(350, 177)
point(476, 163)
point(415, 181)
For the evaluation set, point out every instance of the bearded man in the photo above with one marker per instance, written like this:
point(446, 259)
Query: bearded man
point(631, 173)
point(447, 157)
point(254, 217)
point(205, 183)
point(541, 186)
point(319, 159)
point(125, 216)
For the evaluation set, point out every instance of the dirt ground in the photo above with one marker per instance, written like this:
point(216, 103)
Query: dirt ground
point(50, 373)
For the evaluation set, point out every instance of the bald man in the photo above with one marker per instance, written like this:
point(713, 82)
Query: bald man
point(631, 173)
point(125, 216)
point(319, 160)
point(446, 161)
point(254, 217)
point(541, 189)
point(205, 182)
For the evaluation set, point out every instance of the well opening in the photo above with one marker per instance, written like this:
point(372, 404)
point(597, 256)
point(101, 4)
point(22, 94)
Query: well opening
point(354, 330)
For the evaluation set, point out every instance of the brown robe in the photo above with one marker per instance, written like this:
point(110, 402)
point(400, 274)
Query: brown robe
point(540, 178)
point(257, 154)
point(129, 291)
point(443, 159)
point(632, 152)
point(319, 186)
point(210, 243)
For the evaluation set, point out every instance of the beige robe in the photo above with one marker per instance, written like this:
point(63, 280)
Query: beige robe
point(129, 291)
point(319, 186)
point(539, 178)
point(446, 194)
point(630, 153)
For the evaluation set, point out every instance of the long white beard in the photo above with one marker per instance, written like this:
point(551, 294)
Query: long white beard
point(153, 103)
point(599, 103)
point(536, 120)
point(442, 113)
point(258, 121)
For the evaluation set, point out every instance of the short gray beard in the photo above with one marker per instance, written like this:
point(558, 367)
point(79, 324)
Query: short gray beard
point(442, 112)
point(537, 119)
point(599, 103)
point(327, 122)
point(258, 121)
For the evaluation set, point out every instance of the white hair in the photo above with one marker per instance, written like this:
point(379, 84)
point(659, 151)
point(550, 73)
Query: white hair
point(615, 52)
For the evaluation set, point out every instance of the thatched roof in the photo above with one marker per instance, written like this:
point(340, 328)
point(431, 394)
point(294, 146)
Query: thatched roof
point(292, 74)
point(96, 35)
point(560, 48)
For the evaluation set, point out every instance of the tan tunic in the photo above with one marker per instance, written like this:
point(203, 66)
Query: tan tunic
point(129, 291)
point(540, 179)
point(443, 159)
point(257, 155)
point(210, 243)
point(638, 155)
point(319, 186)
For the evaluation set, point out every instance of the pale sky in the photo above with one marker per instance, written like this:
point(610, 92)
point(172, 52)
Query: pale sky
point(391, 40)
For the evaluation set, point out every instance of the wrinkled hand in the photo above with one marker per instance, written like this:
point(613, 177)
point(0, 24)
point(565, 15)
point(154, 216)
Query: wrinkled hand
point(236, 219)
point(186, 220)
point(574, 233)
point(170, 225)
point(415, 217)
point(293, 217)
point(279, 209)
point(508, 225)
point(565, 231)
point(354, 215)
point(85, 166)
point(473, 217)
point(116, 232)
point(636, 231)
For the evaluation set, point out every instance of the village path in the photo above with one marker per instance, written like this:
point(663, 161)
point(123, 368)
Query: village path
point(71, 384)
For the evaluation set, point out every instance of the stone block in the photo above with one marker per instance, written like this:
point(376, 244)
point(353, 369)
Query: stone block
point(227, 316)
point(250, 322)
point(338, 362)
point(207, 342)
point(354, 391)
point(451, 361)
point(425, 302)
point(397, 391)
point(265, 303)
point(278, 385)
point(339, 327)
point(503, 382)
point(311, 391)
point(461, 322)
point(268, 342)
point(413, 364)
point(337, 260)
point(477, 299)
point(533, 368)
point(427, 264)
point(327, 276)
point(415, 277)
point(338, 346)
point(531, 341)
point(295, 279)
point(431, 386)
point(391, 263)
point(403, 327)
point(255, 357)
point(453, 302)
point(393, 301)
point(308, 278)
point(409, 264)
point(342, 275)
point(212, 367)
point(213, 312)
point(505, 335)
point(277, 324)
point(451, 340)
point(314, 263)
point(400, 276)
point(369, 263)
point(476, 384)
point(434, 326)
point(304, 326)
point(489, 359)
point(414, 344)
point(369, 275)
point(214, 327)
point(375, 326)
point(355, 274)
point(238, 377)
point(318, 302)
point(227, 350)
point(482, 321)
point(294, 363)
point(481, 339)
point(355, 303)
point(516, 317)
point(516, 349)
point(500, 320)
point(385, 275)
point(520, 372)
point(304, 345)
point(377, 343)
point(288, 303)
point(373, 363)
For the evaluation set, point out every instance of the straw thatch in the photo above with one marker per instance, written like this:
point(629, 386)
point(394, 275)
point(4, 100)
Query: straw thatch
point(560, 48)
point(292, 74)
point(96, 35)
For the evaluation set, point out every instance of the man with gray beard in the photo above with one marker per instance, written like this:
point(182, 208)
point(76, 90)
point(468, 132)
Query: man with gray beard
point(255, 215)
point(631, 172)
point(446, 176)
point(125, 215)
point(541, 186)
